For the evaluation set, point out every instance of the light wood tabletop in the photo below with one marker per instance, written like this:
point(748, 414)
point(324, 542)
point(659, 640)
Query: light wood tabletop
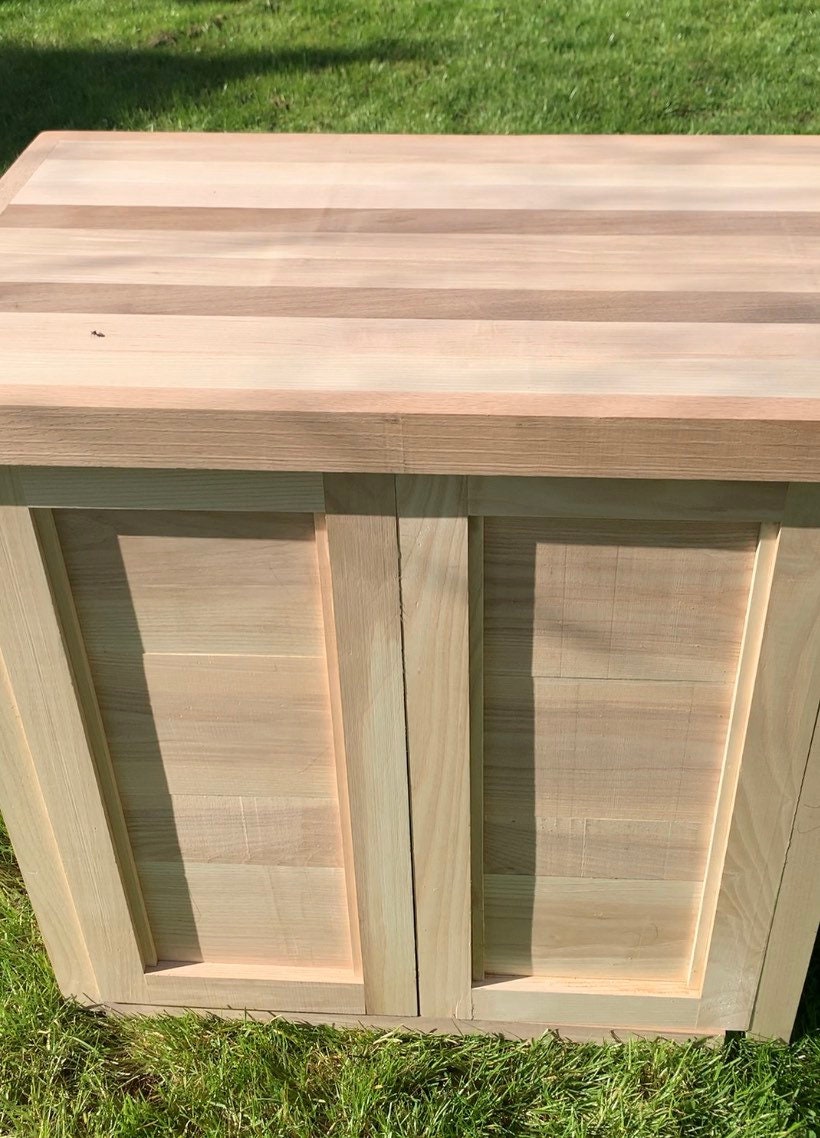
point(572, 305)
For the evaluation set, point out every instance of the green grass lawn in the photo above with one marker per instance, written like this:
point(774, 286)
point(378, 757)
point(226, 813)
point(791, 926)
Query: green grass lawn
point(67, 1072)
point(722, 66)
point(395, 65)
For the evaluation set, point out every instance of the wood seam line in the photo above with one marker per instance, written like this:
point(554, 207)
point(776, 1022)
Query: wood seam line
point(407, 741)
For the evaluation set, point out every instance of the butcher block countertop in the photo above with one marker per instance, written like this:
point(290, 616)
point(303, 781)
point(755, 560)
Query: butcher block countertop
point(574, 306)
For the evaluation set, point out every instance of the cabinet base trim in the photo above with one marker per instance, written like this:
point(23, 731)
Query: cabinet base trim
point(507, 1029)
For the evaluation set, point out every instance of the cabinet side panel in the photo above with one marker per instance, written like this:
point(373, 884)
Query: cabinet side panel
point(796, 916)
point(32, 836)
point(87, 700)
point(44, 688)
point(759, 595)
point(781, 723)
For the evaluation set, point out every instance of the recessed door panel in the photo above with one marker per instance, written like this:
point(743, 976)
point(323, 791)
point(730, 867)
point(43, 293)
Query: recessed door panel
point(205, 637)
point(610, 655)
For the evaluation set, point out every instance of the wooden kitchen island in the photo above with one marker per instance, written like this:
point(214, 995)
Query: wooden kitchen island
point(410, 552)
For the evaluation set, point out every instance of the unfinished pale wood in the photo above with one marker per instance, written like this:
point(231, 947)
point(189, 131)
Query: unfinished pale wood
point(19, 173)
point(796, 916)
point(610, 649)
point(542, 390)
point(436, 263)
point(106, 489)
point(337, 721)
point(475, 575)
point(245, 913)
point(667, 850)
point(552, 726)
point(659, 600)
point(293, 989)
point(223, 728)
point(432, 526)
point(363, 549)
point(642, 310)
point(225, 762)
point(563, 435)
point(43, 684)
point(620, 257)
point(781, 722)
point(89, 709)
point(520, 1000)
point(611, 356)
point(119, 146)
point(259, 778)
point(250, 186)
point(199, 720)
point(759, 594)
point(490, 221)
point(614, 789)
point(600, 929)
point(194, 582)
point(26, 819)
point(526, 169)
point(234, 829)
point(454, 273)
point(633, 794)
point(626, 498)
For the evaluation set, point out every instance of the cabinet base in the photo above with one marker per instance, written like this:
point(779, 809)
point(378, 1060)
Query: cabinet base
point(576, 1034)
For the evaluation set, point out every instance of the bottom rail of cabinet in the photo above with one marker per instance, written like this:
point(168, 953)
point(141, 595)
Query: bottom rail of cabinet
point(443, 1026)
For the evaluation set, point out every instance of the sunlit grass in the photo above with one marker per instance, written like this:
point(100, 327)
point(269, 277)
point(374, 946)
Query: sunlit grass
point(65, 1071)
point(720, 66)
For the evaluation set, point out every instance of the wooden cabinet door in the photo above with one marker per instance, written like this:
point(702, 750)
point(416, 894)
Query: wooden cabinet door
point(643, 681)
point(201, 671)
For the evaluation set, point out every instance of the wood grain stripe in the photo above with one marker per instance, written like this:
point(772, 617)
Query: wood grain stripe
point(435, 264)
point(526, 179)
point(457, 348)
point(184, 146)
point(697, 256)
point(160, 184)
point(450, 304)
point(482, 221)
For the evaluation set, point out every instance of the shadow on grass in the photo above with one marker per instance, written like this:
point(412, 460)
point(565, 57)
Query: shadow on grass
point(808, 1015)
point(88, 89)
